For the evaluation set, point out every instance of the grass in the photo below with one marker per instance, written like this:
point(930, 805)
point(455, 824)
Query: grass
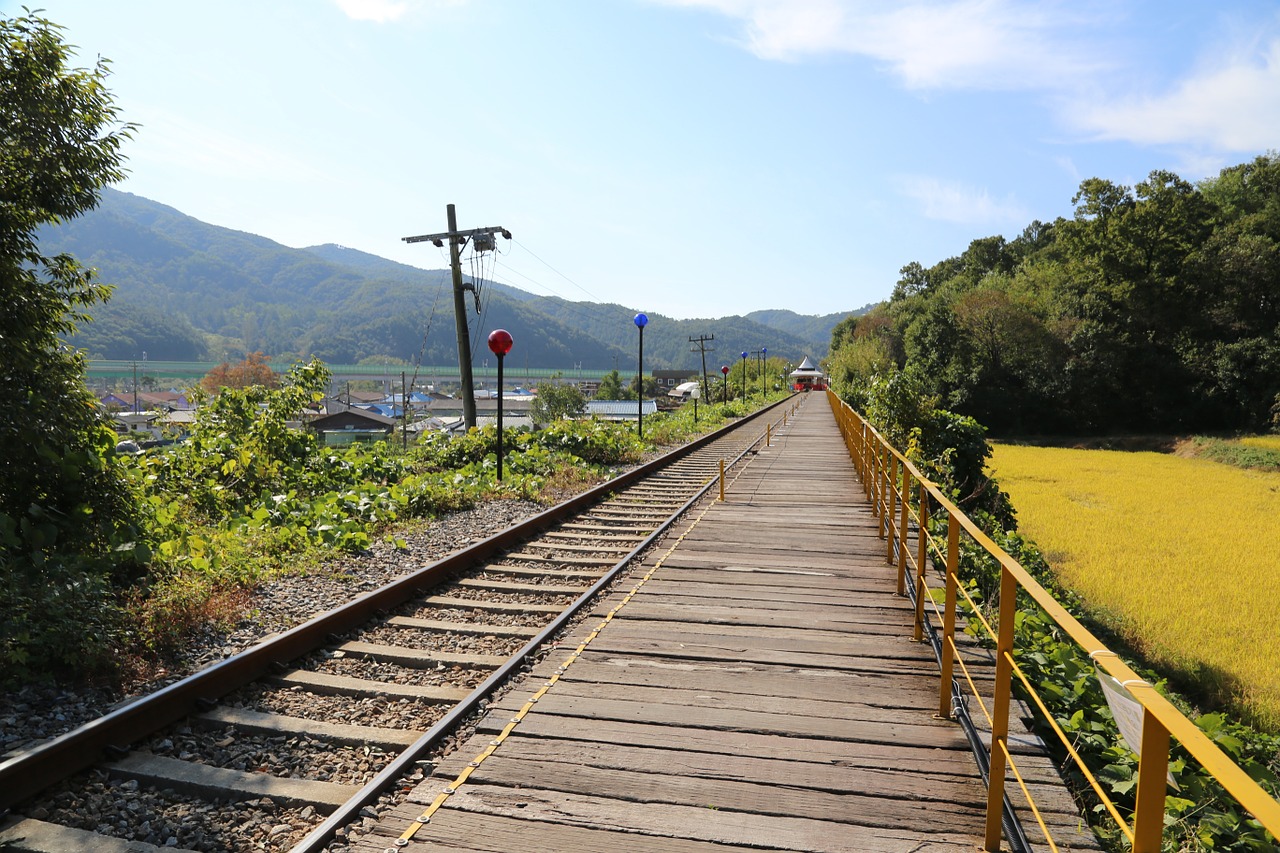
point(1173, 553)
point(1257, 451)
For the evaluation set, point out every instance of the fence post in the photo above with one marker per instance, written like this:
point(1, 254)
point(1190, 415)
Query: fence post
point(949, 617)
point(890, 506)
point(722, 481)
point(1153, 768)
point(922, 555)
point(902, 529)
point(1000, 708)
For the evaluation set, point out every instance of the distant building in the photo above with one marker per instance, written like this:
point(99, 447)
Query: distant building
point(668, 379)
point(350, 426)
point(808, 377)
point(619, 410)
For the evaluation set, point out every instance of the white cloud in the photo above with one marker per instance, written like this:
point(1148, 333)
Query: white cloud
point(1093, 62)
point(1230, 105)
point(951, 201)
point(378, 11)
point(927, 44)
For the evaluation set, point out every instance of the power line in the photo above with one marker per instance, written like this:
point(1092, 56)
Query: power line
point(556, 271)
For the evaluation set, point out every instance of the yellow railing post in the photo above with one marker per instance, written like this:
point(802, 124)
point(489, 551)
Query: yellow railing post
point(1000, 708)
point(859, 442)
point(922, 555)
point(890, 507)
point(866, 461)
point(878, 499)
point(1153, 769)
point(949, 616)
point(722, 481)
point(902, 530)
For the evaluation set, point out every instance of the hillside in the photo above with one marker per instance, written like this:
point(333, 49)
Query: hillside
point(187, 290)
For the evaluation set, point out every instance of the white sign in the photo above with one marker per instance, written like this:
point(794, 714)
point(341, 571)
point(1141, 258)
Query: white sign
point(1128, 713)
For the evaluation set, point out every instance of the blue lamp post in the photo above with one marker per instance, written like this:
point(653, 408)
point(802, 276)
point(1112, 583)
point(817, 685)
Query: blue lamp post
point(641, 322)
point(744, 376)
point(500, 344)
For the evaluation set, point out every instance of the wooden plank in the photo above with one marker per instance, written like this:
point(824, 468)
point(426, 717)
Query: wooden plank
point(802, 772)
point(695, 652)
point(326, 684)
point(476, 832)
point(754, 680)
point(920, 730)
point(719, 614)
point(409, 657)
point(841, 753)
point(715, 694)
point(462, 627)
point(700, 823)
point(903, 809)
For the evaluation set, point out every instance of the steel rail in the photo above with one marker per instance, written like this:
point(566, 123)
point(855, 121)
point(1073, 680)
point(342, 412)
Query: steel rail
point(31, 771)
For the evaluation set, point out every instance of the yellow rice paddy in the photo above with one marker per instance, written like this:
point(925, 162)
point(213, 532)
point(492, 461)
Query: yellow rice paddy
point(1265, 442)
point(1178, 554)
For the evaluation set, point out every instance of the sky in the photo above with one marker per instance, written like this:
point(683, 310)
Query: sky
point(688, 158)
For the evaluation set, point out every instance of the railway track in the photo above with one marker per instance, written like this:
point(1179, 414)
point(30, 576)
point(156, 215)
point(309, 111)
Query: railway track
point(290, 743)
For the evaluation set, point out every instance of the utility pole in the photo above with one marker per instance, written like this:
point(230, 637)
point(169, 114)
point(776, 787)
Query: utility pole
point(482, 241)
point(701, 341)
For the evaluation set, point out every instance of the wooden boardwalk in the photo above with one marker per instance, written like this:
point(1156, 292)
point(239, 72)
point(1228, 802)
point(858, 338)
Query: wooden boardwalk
point(759, 692)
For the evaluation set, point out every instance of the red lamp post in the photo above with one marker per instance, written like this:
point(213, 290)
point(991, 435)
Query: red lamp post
point(724, 368)
point(500, 344)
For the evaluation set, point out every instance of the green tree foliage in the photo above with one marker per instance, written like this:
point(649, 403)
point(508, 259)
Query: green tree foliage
point(556, 401)
point(68, 523)
point(610, 387)
point(1155, 307)
point(241, 447)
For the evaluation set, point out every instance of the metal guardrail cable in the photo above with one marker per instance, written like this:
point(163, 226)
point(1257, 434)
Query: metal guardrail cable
point(1026, 795)
point(1075, 756)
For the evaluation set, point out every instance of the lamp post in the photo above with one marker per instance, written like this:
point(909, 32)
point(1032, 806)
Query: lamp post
point(641, 322)
point(744, 376)
point(764, 361)
point(695, 394)
point(724, 369)
point(500, 344)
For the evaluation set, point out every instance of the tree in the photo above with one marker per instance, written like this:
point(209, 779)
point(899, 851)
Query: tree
point(254, 370)
point(68, 516)
point(610, 387)
point(557, 400)
point(646, 386)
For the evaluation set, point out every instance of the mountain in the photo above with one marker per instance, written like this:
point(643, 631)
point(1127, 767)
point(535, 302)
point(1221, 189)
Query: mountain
point(186, 290)
point(808, 326)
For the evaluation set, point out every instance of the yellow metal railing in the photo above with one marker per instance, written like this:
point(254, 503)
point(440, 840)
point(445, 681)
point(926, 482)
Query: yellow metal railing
point(890, 481)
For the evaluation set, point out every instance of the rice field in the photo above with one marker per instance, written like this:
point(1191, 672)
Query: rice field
point(1176, 554)
point(1262, 442)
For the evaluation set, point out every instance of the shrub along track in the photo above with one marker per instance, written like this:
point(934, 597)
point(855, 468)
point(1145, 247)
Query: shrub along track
point(299, 736)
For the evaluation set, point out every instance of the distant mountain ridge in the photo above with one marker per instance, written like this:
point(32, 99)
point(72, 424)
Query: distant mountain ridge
point(187, 290)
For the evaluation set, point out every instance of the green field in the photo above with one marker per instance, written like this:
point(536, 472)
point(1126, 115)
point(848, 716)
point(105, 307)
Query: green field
point(1173, 553)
